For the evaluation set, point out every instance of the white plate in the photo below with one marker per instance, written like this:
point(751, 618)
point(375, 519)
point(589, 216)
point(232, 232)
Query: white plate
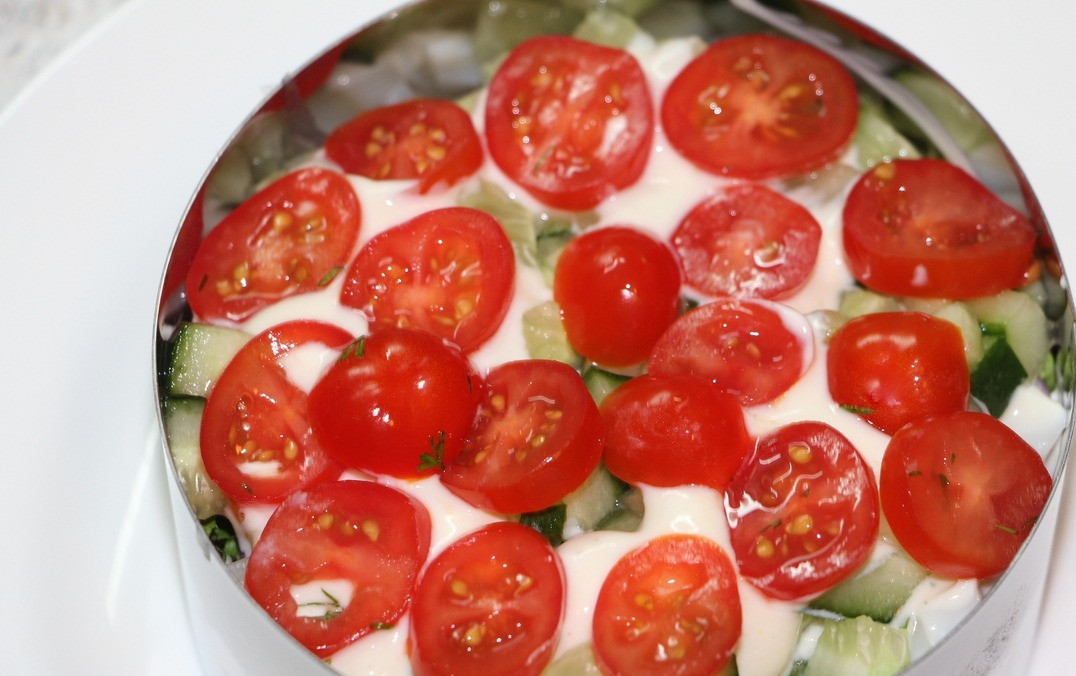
point(97, 161)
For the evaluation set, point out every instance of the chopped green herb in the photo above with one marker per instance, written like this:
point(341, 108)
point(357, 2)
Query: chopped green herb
point(914, 472)
point(858, 410)
point(772, 524)
point(943, 479)
point(330, 275)
point(1008, 529)
point(380, 626)
point(435, 459)
point(333, 607)
point(202, 282)
point(222, 536)
point(354, 350)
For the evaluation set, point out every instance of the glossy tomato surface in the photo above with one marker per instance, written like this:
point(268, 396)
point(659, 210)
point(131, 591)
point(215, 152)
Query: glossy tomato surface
point(569, 121)
point(449, 271)
point(617, 289)
point(747, 241)
point(536, 437)
point(926, 228)
point(432, 140)
point(491, 603)
point(337, 561)
point(755, 106)
point(894, 367)
point(961, 492)
point(282, 241)
point(256, 439)
point(673, 431)
point(803, 511)
point(668, 608)
point(397, 402)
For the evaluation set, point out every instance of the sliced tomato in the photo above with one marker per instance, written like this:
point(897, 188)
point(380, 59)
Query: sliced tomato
point(744, 346)
point(449, 271)
point(926, 228)
point(961, 492)
point(282, 241)
point(617, 289)
point(894, 367)
point(803, 511)
point(337, 561)
point(432, 140)
point(491, 603)
point(569, 121)
point(397, 402)
point(536, 437)
point(747, 241)
point(256, 441)
point(756, 106)
point(673, 431)
point(668, 608)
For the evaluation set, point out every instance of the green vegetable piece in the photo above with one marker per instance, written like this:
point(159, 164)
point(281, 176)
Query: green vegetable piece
point(1020, 319)
point(506, 23)
point(544, 335)
point(857, 302)
point(199, 354)
point(601, 383)
point(221, 534)
point(607, 27)
point(879, 593)
point(876, 139)
point(549, 522)
point(859, 647)
point(516, 220)
point(959, 119)
point(629, 7)
point(577, 661)
point(996, 376)
point(182, 417)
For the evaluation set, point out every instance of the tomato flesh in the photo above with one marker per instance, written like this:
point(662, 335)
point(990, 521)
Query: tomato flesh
point(961, 492)
point(803, 511)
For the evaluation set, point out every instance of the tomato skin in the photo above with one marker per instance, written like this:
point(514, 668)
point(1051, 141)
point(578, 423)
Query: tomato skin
point(961, 492)
point(805, 495)
point(537, 436)
point(255, 416)
point(741, 345)
point(569, 121)
point(894, 367)
point(617, 289)
point(432, 140)
point(449, 271)
point(491, 603)
point(282, 241)
point(674, 596)
point(373, 536)
point(392, 398)
point(747, 241)
point(673, 431)
point(926, 228)
point(759, 106)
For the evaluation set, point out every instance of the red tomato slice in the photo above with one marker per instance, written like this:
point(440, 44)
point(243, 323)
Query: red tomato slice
point(618, 289)
point(256, 440)
point(894, 367)
point(337, 561)
point(282, 241)
point(429, 139)
point(569, 121)
point(673, 431)
point(925, 228)
point(748, 241)
point(491, 603)
point(668, 608)
point(744, 346)
point(449, 271)
point(536, 437)
point(961, 492)
point(397, 402)
point(803, 511)
point(755, 106)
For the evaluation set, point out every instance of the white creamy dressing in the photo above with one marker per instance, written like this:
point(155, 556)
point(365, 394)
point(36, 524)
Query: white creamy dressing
point(668, 188)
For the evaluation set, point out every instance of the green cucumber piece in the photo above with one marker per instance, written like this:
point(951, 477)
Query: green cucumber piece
point(959, 119)
point(182, 417)
point(959, 314)
point(856, 302)
point(199, 354)
point(858, 647)
point(603, 502)
point(549, 522)
point(506, 23)
point(997, 375)
point(1020, 319)
point(878, 593)
point(577, 661)
point(607, 27)
point(544, 335)
point(876, 139)
point(601, 383)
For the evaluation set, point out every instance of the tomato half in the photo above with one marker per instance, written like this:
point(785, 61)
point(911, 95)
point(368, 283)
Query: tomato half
point(961, 492)
point(894, 367)
point(536, 437)
point(670, 607)
point(744, 346)
point(449, 271)
point(282, 241)
point(926, 228)
point(491, 603)
point(747, 241)
point(397, 402)
point(803, 511)
point(257, 443)
point(339, 560)
point(755, 106)
point(673, 431)
point(432, 140)
point(617, 289)
point(569, 121)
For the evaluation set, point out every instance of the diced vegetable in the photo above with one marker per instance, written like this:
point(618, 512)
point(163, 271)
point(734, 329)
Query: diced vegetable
point(607, 27)
point(516, 220)
point(544, 335)
point(601, 383)
point(182, 418)
point(878, 593)
point(858, 647)
point(507, 23)
point(602, 502)
point(959, 119)
point(549, 522)
point(221, 534)
point(199, 354)
point(997, 375)
point(1021, 320)
point(577, 661)
point(876, 139)
point(858, 301)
